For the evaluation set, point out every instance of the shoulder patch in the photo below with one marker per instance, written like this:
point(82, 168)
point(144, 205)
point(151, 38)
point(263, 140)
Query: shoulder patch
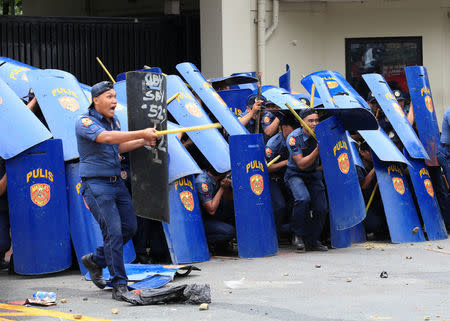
point(292, 141)
point(205, 187)
point(268, 152)
point(266, 119)
point(117, 123)
point(86, 121)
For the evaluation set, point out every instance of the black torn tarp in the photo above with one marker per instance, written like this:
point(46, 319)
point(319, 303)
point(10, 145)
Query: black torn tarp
point(186, 293)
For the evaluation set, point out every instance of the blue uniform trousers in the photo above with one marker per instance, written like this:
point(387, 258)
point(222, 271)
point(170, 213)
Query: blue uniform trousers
point(310, 204)
point(279, 197)
point(5, 240)
point(111, 205)
point(443, 156)
point(219, 228)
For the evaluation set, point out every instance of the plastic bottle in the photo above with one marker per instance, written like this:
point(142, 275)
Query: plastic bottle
point(47, 296)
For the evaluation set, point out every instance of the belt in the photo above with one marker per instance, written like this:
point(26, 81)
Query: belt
point(111, 179)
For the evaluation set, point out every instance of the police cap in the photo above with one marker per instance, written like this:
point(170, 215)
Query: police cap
point(101, 87)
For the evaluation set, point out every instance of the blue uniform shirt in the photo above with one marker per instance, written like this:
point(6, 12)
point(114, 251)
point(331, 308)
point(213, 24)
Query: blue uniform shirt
point(274, 147)
point(206, 187)
point(96, 159)
point(251, 125)
point(300, 143)
point(445, 135)
point(267, 119)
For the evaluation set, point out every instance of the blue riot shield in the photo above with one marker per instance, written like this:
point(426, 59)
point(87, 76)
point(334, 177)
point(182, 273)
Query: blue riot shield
point(426, 198)
point(84, 229)
point(281, 97)
point(233, 80)
point(401, 215)
point(188, 112)
point(347, 207)
point(251, 85)
point(14, 73)
point(395, 114)
point(211, 99)
point(87, 91)
point(38, 209)
point(345, 238)
point(424, 112)
point(236, 99)
point(353, 146)
point(181, 163)
point(19, 128)
point(285, 79)
point(121, 109)
point(335, 83)
point(157, 70)
point(347, 108)
point(62, 102)
point(255, 227)
point(377, 139)
point(185, 235)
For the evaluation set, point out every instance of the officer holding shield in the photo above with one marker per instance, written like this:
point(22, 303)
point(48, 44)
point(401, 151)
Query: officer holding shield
point(100, 143)
point(443, 150)
point(306, 184)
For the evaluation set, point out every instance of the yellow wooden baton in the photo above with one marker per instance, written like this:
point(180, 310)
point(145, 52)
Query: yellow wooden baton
point(106, 70)
point(273, 161)
point(188, 129)
point(309, 130)
point(371, 197)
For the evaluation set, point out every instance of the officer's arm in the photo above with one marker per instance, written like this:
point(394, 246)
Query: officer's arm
point(212, 205)
point(277, 166)
point(307, 161)
point(272, 128)
point(3, 185)
point(246, 118)
point(365, 183)
point(410, 115)
point(32, 104)
point(118, 137)
point(132, 145)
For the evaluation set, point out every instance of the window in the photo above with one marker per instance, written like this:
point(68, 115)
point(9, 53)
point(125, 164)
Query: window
point(385, 56)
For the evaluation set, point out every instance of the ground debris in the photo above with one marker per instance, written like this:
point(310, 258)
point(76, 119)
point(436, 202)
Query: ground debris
point(203, 307)
point(63, 300)
point(440, 247)
point(349, 280)
point(77, 316)
point(114, 311)
point(415, 230)
point(409, 257)
point(318, 266)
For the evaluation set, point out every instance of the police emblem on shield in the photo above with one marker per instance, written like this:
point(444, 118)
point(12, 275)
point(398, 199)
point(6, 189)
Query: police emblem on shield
point(429, 103)
point(257, 184)
point(188, 200)
point(343, 162)
point(398, 109)
point(398, 185)
point(193, 109)
point(40, 194)
point(429, 187)
point(69, 103)
point(332, 84)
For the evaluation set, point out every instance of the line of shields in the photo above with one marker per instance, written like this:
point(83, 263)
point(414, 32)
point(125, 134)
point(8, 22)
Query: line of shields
point(48, 213)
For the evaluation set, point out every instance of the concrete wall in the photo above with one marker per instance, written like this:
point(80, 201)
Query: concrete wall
point(311, 36)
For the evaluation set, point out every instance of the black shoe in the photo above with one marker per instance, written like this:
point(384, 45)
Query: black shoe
point(94, 270)
point(297, 241)
point(143, 258)
point(316, 246)
point(118, 291)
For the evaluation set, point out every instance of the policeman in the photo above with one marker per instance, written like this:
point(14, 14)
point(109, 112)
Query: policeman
point(215, 196)
point(99, 143)
point(248, 117)
point(408, 109)
point(375, 221)
point(278, 190)
point(5, 240)
point(306, 184)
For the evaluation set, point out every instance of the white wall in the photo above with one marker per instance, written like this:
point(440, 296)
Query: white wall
point(320, 29)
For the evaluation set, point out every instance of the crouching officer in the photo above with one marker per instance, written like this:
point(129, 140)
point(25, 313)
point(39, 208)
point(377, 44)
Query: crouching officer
point(215, 196)
point(278, 190)
point(306, 184)
point(100, 142)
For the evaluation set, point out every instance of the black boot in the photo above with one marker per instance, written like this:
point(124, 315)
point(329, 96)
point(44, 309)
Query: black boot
point(94, 270)
point(118, 291)
point(297, 241)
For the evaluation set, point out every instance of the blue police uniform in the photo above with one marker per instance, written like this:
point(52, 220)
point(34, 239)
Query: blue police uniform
point(274, 147)
point(443, 150)
point(219, 228)
point(310, 201)
point(5, 240)
point(375, 221)
point(265, 122)
point(105, 192)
